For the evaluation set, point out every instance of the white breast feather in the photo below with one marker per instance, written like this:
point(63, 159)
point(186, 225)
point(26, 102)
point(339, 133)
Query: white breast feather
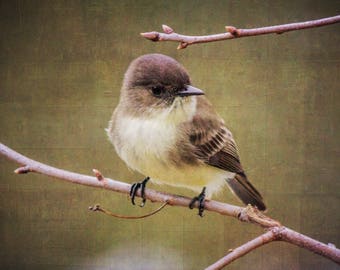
point(148, 140)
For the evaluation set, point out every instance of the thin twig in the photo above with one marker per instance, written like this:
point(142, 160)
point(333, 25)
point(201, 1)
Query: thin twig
point(233, 32)
point(97, 207)
point(247, 214)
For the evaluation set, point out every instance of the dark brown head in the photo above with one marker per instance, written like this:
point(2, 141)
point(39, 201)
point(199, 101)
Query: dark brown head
point(155, 81)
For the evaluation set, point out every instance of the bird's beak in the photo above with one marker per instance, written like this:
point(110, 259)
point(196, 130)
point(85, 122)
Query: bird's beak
point(190, 91)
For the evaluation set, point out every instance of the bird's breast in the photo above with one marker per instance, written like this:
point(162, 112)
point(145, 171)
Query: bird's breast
point(144, 144)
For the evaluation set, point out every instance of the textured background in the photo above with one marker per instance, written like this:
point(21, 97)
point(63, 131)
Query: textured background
point(61, 67)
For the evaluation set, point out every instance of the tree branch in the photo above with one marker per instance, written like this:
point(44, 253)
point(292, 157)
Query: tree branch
point(278, 234)
point(233, 32)
point(244, 249)
point(311, 244)
point(30, 165)
point(246, 214)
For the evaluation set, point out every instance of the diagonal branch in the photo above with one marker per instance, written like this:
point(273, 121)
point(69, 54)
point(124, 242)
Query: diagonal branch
point(233, 32)
point(240, 251)
point(246, 214)
point(277, 234)
point(311, 244)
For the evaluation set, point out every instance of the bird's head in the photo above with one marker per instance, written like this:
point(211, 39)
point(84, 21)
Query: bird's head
point(154, 82)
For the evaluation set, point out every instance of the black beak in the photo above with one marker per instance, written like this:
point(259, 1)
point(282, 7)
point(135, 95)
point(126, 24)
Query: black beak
point(190, 91)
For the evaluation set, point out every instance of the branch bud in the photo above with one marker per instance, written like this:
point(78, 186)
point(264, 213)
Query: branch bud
point(98, 174)
point(232, 30)
point(153, 36)
point(22, 170)
point(182, 45)
point(167, 29)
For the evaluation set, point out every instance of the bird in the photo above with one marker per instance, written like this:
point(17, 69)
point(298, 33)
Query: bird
point(166, 129)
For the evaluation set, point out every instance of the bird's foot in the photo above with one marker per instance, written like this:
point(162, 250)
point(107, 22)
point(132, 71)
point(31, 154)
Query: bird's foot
point(200, 199)
point(134, 189)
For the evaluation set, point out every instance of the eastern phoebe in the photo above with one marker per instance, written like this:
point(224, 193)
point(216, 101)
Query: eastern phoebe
point(165, 128)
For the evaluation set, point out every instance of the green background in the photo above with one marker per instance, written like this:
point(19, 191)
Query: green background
point(61, 67)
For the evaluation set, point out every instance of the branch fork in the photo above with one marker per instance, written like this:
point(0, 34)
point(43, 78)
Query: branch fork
point(253, 215)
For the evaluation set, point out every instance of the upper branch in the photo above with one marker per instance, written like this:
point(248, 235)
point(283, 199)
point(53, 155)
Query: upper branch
point(233, 32)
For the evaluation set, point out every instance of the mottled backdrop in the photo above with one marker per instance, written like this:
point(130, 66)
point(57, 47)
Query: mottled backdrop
point(61, 67)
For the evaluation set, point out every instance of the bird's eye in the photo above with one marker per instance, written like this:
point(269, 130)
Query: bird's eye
point(157, 91)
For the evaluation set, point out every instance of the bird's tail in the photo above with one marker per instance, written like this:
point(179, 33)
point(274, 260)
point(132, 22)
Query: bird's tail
point(243, 189)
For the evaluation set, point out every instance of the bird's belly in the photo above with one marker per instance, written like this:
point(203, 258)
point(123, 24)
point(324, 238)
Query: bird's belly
point(191, 177)
point(182, 176)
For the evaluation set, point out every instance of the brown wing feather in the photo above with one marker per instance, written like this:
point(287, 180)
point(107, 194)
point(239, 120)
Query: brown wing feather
point(212, 141)
point(214, 145)
point(219, 150)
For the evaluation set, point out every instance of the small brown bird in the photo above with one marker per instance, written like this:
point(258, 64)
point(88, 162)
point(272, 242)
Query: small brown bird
point(165, 128)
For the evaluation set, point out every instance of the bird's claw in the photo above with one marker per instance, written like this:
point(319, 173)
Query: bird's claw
point(200, 199)
point(134, 189)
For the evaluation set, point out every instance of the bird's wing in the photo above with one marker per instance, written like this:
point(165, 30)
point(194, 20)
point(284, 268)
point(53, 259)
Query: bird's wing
point(212, 141)
point(214, 145)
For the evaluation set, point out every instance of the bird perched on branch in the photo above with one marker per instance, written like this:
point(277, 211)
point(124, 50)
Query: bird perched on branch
point(165, 128)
